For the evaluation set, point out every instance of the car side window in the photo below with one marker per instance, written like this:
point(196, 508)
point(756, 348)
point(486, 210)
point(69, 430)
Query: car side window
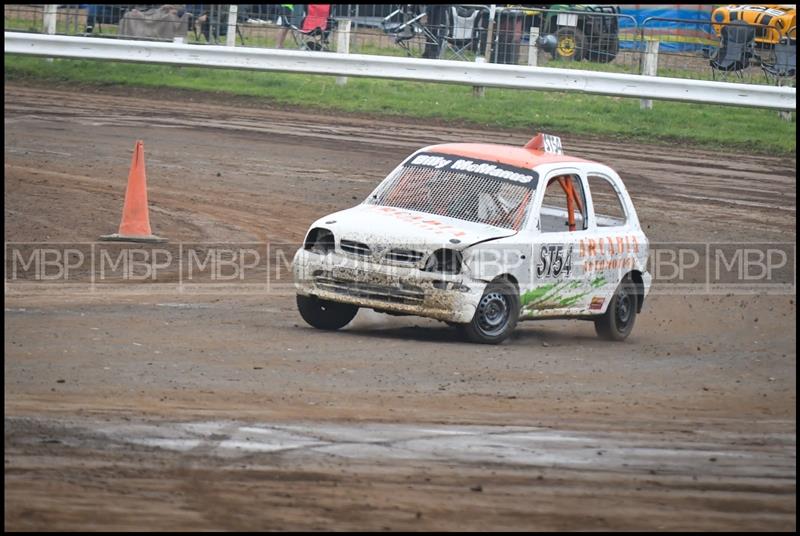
point(609, 211)
point(564, 205)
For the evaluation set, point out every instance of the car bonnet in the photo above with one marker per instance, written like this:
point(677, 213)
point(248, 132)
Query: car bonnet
point(376, 224)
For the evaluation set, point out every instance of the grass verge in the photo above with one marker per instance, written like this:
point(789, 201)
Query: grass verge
point(709, 126)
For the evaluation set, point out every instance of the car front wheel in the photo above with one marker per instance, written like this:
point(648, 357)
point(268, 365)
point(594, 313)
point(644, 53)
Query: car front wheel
point(496, 315)
point(617, 323)
point(324, 314)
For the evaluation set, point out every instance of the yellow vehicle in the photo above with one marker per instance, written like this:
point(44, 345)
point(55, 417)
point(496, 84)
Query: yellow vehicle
point(773, 22)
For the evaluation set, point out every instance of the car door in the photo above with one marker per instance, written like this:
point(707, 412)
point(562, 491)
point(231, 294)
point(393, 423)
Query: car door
point(614, 245)
point(559, 286)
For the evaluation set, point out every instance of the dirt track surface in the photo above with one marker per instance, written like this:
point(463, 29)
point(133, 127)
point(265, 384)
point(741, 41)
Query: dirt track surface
point(140, 406)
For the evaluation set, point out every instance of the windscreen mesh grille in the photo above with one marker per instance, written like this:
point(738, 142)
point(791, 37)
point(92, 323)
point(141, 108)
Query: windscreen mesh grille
point(462, 195)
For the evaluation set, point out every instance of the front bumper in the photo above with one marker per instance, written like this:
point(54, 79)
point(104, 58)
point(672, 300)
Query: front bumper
point(386, 288)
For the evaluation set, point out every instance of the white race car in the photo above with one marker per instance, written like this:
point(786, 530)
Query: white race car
point(481, 236)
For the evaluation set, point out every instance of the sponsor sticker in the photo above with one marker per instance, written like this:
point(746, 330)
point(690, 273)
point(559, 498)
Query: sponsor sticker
point(478, 167)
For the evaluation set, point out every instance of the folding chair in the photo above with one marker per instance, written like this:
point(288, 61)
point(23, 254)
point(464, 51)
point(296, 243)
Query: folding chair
point(403, 24)
point(785, 65)
point(736, 46)
point(461, 34)
point(314, 31)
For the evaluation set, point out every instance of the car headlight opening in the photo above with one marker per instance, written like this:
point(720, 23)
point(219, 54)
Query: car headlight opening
point(320, 240)
point(447, 261)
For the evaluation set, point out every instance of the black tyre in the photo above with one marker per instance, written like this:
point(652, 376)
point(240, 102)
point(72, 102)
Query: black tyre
point(324, 314)
point(569, 44)
point(496, 315)
point(617, 323)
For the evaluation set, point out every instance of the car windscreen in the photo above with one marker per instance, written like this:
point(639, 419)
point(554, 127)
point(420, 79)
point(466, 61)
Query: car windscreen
point(458, 187)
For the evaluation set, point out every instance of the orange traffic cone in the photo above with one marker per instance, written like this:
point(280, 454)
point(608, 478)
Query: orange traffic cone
point(135, 225)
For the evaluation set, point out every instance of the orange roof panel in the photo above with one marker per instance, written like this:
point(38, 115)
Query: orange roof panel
point(505, 154)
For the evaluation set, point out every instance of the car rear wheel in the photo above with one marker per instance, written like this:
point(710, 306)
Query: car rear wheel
point(325, 314)
point(496, 315)
point(617, 323)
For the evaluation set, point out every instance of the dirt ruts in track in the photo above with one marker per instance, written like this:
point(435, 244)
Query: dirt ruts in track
point(755, 191)
point(401, 477)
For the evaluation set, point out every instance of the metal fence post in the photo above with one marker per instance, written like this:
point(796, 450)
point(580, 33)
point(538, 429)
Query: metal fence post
point(230, 39)
point(533, 50)
point(49, 20)
point(50, 11)
point(489, 32)
point(479, 91)
point(649, 68)
point(343, 44)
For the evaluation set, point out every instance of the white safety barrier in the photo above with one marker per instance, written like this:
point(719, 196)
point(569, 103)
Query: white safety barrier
point(455, 72)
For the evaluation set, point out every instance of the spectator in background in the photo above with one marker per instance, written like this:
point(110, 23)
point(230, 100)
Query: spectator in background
point(91, 14)
point(289, 12)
